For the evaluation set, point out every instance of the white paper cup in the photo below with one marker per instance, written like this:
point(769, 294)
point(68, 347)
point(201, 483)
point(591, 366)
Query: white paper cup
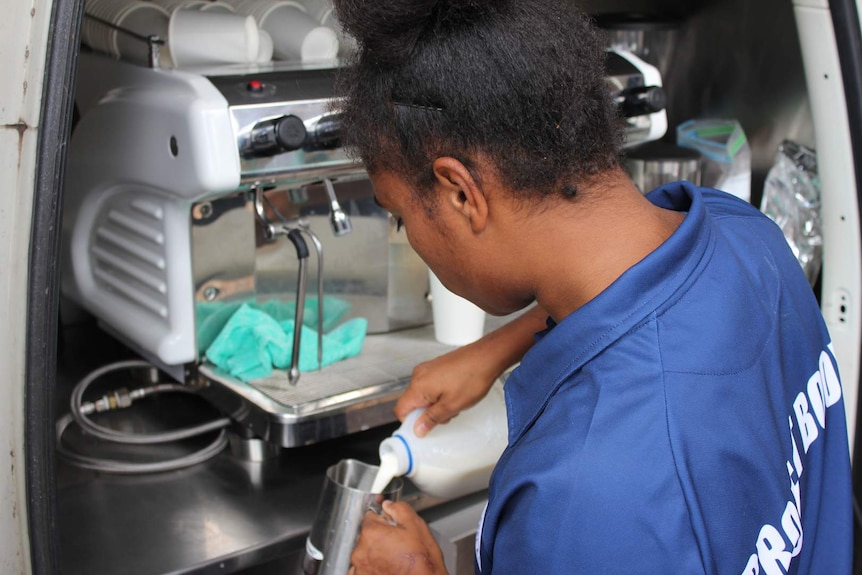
point(198, 38)
point(217, 7)
point(95, 34)
point(173, 5)
point(457, 321)
point(260, 9)
point(264, 51)
point(298, 36)
point(346, 43)
point(296, 33)
point(142, 18)
point(202, 5)
point(317, 9)
point(320, 43)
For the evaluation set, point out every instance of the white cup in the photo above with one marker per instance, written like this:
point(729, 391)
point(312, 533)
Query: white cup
point(217, 6)
point(260, 9)
point(457, 321)
point(142, 18)
point(317, 9)
point(202, 5)
point(96, 34)
point(264, 52)
point(346, 43)
point(172, 5)
point(198, 38)
point(298, 36)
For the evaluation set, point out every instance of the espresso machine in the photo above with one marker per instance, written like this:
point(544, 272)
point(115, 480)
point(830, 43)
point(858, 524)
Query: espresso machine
point(190, 191)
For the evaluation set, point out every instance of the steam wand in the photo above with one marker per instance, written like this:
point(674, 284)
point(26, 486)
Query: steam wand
point(302, 226)
point(318, 247)
point(294, 234)
point(340, 221)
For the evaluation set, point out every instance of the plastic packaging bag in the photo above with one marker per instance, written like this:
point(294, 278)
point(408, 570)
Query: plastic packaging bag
point(791, 198)
point(726, 154)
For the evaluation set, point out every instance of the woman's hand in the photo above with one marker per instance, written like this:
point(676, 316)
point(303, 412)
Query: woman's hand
point(406, 548)
point(451, 383)
point(446, 385)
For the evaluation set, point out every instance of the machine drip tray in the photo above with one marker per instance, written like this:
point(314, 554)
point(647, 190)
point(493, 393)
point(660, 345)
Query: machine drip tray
point(342, 398)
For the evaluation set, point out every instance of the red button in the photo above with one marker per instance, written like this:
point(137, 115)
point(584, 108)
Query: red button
point(255, 86)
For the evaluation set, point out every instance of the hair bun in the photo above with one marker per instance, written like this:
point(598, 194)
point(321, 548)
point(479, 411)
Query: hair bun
point(389, 29)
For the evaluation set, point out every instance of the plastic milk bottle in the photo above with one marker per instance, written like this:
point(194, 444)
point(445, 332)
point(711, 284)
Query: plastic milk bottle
point(454, 458)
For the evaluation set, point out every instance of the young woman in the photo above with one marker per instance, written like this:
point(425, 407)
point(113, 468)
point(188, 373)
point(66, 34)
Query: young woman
point(680, 410)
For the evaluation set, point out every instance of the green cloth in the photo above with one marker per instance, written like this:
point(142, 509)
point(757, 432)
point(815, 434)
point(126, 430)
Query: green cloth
point(252, 342)
point(211, 317)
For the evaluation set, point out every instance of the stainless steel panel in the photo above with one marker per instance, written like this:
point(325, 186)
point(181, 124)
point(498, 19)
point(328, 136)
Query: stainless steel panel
point(223, 249)
point(346, 397)
point(280, 167)
point(373, 268)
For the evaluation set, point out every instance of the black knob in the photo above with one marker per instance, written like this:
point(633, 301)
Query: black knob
point(289, 133)
point(325, 134)
point(641, 101)
point(654, 99)
point(271, 137)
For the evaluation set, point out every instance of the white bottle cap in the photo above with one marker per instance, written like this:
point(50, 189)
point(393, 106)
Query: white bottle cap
point(398, 446)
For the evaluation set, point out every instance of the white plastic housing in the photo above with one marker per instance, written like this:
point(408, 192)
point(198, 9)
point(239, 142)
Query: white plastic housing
point(148, 145)
point(652, 77)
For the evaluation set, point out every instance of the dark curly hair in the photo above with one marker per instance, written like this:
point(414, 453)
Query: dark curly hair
point(517, 82)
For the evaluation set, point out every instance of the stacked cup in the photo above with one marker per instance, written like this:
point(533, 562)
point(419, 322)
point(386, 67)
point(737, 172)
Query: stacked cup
point(203, 5)
point(142, 18)
point(190, 29)
point(317, 9)
point(323, 12)
point(296, 34)
point(198, 38)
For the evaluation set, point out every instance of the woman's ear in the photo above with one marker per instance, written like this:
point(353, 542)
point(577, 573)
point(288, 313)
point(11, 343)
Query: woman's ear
point(457, 188)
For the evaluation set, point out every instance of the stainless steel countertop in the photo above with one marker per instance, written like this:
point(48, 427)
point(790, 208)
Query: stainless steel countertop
point(217, 517)
point(223, 516)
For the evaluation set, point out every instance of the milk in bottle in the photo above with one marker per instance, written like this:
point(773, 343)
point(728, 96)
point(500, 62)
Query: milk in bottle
point(454, 458)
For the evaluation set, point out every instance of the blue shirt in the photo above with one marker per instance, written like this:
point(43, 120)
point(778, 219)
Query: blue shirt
point(689, 419)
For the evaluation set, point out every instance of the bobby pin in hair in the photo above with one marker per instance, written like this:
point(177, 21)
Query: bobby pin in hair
point(418, 107)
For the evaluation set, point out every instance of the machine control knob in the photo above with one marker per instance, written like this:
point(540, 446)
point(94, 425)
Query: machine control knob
point(270, 137)
point(641, 100)
point(325, 134)
point(290, 133)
